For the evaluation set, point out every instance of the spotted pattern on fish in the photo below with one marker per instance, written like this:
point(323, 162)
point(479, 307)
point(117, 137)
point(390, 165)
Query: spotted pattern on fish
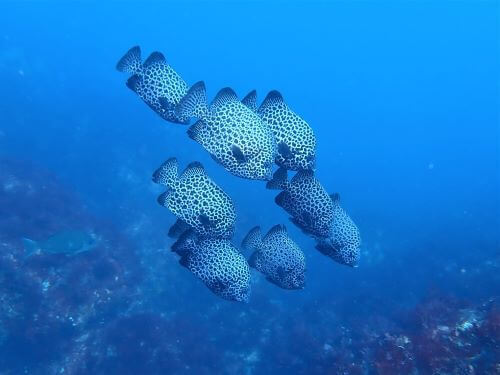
point(131, 62)
point(196, 200)
point(277, 256)
point(234, 136)
point(343, 244)
point(217, 263)
point(294, 137)
point(305, 199)
point(155, 82)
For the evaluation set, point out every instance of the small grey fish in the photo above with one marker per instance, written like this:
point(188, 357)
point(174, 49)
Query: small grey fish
point(234, 135)
point(196, 200)
point(69, 242)
point(277, 257)
point(217, 263)
point(155, 82)
point(305, 199)
point(295, 138)
point(343, 244)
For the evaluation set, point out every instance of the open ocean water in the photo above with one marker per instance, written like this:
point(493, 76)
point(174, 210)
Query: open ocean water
point(403, 98)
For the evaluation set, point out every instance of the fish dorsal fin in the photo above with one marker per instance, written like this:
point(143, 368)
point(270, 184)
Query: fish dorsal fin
point(254, 259)
point(224, 97)
point(163, 198)
point(275, 232)
point(131, 61)
point(199, 132)
point(194, 103)
point(251, 100)
point(253, 239)
point(272, 101)
point(185, 243)
point(279, 180)
point(179, 227)
point(133, 82)
point(167, 173)
point(281, 198)
point(335, 198)
point(303, 175)
point(155, 58)
point(193, 169)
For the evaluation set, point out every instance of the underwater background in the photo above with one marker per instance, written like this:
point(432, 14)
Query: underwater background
point(403, 97)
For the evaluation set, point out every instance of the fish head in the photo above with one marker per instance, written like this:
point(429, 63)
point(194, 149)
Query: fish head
point(347, 255)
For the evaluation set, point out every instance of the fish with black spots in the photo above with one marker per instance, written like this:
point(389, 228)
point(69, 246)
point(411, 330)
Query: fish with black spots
point(277, 257)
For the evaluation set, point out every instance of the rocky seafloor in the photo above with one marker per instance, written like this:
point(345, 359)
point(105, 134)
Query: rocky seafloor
point(105, 311)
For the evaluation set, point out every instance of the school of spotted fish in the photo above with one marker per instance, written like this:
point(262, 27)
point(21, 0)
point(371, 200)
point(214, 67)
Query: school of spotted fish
point(247, 140)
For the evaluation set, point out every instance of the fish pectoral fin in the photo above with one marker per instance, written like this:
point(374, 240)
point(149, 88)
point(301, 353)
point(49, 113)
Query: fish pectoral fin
point(238, 154)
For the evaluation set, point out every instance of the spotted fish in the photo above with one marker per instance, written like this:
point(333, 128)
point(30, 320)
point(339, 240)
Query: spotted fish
point(294, 137)
point(234, 135)
point(217, 263)
point(196, 200)
point(343, 244)
point(155, 82)
point(307, 202)
point(277, 257)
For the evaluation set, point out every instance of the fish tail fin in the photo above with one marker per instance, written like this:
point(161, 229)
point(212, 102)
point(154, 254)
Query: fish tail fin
point(30, 247)
point(167, 173)
point(194, 103)
point(252, 260)
point(185, 243)
point(272, 102)
point(131, 61)
point(194, 168)
point(278, 230)
point(178, 228)
point(252, 240)
point(279, 180)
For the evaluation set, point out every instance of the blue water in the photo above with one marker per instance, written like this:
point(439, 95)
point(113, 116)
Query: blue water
point(404, 101)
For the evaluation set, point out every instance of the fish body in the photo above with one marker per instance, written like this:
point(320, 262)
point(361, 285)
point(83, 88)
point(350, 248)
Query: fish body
point(277, 256)
point(305, 199)
point(217, 263)
point(155, 82)
point(344, 242)
point(294, 137)
point(196, 200)
point(234, 135)
point(70, 242)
